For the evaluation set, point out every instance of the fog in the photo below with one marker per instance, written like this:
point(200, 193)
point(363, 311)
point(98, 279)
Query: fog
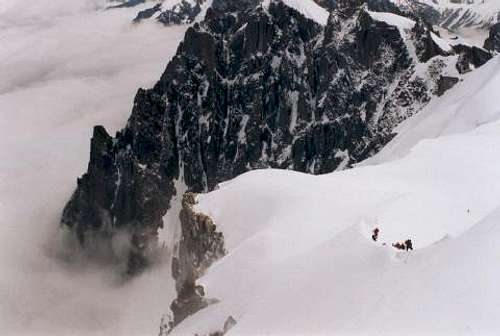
point(66, 65)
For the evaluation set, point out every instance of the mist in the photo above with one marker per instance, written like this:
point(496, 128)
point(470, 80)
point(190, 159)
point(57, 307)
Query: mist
point(64, 67)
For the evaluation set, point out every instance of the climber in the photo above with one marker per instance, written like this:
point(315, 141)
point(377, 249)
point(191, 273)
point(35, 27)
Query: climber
point(399, 246)
point(408, 245)
point(375, 234)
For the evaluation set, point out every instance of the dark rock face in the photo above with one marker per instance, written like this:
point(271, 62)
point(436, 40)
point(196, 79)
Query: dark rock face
point(470, 57)
point(426, 48)
point(446, 83)
point(328, 4)
point(249, 88)
point(493, 41)
point(428, 13)
point(199, 247)
point(383, 6)
point(129, 181)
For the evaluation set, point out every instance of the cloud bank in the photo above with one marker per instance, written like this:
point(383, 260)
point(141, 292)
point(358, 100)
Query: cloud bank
point(66, 66)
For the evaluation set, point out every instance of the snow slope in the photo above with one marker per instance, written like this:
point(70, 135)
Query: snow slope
point(66, 66)
point(308, 8)
point(301, 259)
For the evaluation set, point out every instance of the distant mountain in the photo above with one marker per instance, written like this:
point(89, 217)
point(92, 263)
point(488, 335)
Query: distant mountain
point(458, 14)
point(173, 12)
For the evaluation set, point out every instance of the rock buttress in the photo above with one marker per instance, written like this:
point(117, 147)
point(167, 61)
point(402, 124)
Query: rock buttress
point(200, 246)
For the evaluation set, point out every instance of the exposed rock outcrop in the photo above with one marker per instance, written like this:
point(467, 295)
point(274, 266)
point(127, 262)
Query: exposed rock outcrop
point(493, 41)
point(328, 4)
point(446, 83)
point(199, 247)
point(470, 57)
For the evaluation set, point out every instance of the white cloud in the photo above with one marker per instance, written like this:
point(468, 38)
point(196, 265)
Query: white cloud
point(65, 66)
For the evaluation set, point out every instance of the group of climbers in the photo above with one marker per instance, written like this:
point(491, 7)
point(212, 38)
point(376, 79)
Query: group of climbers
point(406, 245)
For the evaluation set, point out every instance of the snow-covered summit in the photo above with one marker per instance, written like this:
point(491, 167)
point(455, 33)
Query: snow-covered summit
point(186, 11)
point(309, 8)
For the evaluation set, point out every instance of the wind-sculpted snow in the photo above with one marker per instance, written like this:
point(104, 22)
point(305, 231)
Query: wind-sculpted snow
point(301, 259)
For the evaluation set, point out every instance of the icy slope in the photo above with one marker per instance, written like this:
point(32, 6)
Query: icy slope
point(301, 259)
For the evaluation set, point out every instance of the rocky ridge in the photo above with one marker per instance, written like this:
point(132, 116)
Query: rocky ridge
point(260, 86)
point(187, 11)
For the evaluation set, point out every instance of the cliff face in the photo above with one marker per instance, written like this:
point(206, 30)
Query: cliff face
point(255, 87)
